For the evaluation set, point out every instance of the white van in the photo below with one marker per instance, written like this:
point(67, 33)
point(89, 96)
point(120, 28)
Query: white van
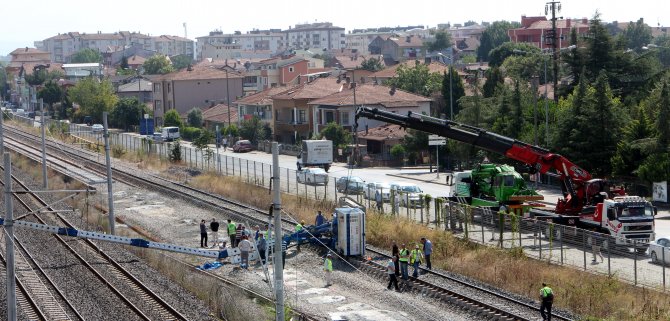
point(170, 133)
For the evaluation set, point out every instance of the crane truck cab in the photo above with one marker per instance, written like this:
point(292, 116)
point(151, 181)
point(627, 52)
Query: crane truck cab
point(628, 218)
point(459, 183)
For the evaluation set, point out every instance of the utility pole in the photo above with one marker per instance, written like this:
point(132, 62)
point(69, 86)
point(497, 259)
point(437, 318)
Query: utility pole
point(9, 240)
point(110, 196)
point(45, 182)
point(554, 7)
point(276, 211)
point(2, 134)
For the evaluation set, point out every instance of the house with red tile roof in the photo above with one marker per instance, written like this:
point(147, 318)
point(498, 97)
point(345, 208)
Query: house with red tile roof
point(293, 116)
point(340, 107)
point(534, 29)
point(403, 48)
point(218, 115)
point(198, 86)
point(259, 104)
point(379, 140)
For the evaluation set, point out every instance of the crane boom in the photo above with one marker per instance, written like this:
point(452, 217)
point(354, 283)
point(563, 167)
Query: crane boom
point(541, 160)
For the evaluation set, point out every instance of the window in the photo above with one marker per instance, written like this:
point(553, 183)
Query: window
point(329, 117)
point(169, 87)
point(302, 116)
point(344, 118)
point(158, 104)
point(290, 69)
point(157, 88)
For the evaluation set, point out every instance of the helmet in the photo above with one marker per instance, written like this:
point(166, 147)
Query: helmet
point(329, 255)
point(302, 222)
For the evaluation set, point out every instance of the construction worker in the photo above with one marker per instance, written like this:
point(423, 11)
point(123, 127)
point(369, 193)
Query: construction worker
point(415, 258)
point(328, 268)
point(547, 298)
point(231, 233)
point(298, 228)
point(404, 260)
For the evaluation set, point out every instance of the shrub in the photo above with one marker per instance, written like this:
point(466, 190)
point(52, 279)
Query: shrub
point(191, 133)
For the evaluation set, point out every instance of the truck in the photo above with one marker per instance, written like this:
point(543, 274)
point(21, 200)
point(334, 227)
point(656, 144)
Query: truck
point(317, 153)
point(500, 183)
point(169, 134)
point(586, 202)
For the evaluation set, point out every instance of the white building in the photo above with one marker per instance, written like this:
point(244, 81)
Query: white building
point(253, 44)
point(320, 35)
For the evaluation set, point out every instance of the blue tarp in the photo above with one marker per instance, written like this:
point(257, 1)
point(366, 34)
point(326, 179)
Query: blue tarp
point(210, 266)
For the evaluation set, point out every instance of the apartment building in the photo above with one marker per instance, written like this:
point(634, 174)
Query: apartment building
point(320, 35)
point(253, 44)
point(64, 45)
point(536, 30)
point(199, 86)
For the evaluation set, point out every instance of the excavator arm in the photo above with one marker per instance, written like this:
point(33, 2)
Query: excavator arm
point(541, 160)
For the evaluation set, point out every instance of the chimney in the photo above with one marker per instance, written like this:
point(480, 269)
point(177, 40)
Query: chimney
point(26, 49)
point(568, 22)
point(366, 129)
point(408, 39)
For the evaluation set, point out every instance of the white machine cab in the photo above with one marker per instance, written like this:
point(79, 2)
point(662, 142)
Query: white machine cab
point(350, 231)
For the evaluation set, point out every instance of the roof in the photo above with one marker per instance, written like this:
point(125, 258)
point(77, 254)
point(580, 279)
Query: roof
point(392, 71)
point(26, 50)
point(383, 132)
point(144, 85)
point(289, 61)
point(318, 88)
point(413, 42)
point(219, 114)
point(370, 94)
point(136, 60)
point(101, 36)
point(83, 65)
point(200, 72)
point(264, 97)
point(560, 24)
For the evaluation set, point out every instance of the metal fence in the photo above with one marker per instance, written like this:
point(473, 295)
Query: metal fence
point(539, 239)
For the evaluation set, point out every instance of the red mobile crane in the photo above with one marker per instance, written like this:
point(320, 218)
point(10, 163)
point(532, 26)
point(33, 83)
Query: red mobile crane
point(586, 202)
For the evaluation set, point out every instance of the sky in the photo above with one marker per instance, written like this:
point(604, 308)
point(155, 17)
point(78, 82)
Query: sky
point(24, 22)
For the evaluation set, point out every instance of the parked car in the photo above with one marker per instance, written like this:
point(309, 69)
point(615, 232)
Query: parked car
point(88, 120)
point(97, 128)
point(372, 188)
point(157, 137)
point(242, 146)
point(410, 194)
point(350, 185)
point(312, 175)
point(657, 248)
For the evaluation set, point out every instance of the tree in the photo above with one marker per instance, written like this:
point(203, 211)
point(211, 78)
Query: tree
point(494, 78)
point(417, 79)
point(181, 61)
point(51, 94)
point(493, 36)
point(157, 64)
point(86, 55)
point(253, 130)
point(93, 97)
point(336, 133)
point(124, 63)
point(637, 35)
point(498, 54)
point(127, 112)
point(442, 41)
point(4, 89)
point(599, 49)
point(452, 89)
point(194, 118)
point(372, 64)
point(232, 131)
point(171, 118)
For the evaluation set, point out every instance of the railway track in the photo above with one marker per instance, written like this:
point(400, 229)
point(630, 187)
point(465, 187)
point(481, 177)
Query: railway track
point(150, 307)
point(504, 308)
